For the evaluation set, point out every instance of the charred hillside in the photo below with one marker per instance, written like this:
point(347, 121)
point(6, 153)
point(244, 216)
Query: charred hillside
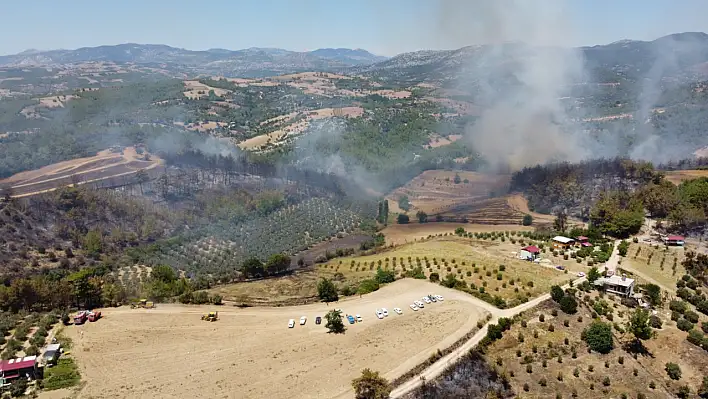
point(574, 187)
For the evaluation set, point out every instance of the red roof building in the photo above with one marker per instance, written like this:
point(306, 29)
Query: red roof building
point(675, 238)
point(532, 249)
point(14, 368)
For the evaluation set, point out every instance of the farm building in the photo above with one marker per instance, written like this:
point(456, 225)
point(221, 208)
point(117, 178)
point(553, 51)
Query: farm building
point(18, 368)
point(620, 285)
point(675, 240)
point(583, 241)
point(529, 253)
point(560, 242)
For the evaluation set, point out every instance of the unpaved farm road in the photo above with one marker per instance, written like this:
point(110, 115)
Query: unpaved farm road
point(437, 368)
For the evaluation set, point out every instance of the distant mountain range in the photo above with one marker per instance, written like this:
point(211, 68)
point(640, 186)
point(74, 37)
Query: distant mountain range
point(681, 54)
point(247, 62)
point(677, 55)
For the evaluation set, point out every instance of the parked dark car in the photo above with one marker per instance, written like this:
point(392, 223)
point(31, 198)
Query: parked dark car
point(318, 320)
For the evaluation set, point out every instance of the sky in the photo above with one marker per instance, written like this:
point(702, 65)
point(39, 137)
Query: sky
point(385, 27)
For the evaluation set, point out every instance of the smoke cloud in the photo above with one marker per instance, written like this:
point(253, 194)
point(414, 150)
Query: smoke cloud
point(520, 75)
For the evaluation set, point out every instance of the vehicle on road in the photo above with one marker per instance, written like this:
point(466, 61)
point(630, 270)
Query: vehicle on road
point(581, 274)
point(439, 298)
point(426, 299)
point(318, 320)
point(414, 307)
point(398, 310)
point(291, 323)
point(379, 314)
point(385, 312)
point(359, 319)
point(351, 319)
point(303, 320)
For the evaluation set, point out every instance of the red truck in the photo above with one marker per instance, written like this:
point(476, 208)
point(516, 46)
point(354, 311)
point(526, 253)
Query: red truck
point(81, 317)
point(94, 315)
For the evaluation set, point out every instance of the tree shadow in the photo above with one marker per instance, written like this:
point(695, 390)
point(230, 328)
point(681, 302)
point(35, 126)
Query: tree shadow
point(636, 347)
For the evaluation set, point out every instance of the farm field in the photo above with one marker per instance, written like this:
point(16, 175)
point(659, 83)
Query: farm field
point(476, 262)
point(397, 234)
point(522, 352)
point(169, 352)
point(104, 166)
point(678, 176)
point(656, 263)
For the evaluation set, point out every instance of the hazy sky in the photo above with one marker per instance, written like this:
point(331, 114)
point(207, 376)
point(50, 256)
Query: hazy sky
point(382, 26)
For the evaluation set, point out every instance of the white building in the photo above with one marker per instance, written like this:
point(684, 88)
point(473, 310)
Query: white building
point(620, 285)
point(560, 242)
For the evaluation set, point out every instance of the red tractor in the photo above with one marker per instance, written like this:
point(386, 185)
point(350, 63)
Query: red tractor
point(94, 315)
point(81, 317)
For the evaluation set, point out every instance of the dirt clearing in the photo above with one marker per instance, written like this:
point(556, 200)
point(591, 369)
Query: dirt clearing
point(679, 176)
point(250, 353)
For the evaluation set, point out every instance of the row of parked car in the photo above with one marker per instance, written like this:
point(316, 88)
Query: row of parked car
point(380, 313)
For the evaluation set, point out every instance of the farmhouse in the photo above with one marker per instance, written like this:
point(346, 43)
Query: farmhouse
point(620, 285)
point(17, 368)
point(529, 253)
point(675, 240)
point(560, 242)
point(583, 241)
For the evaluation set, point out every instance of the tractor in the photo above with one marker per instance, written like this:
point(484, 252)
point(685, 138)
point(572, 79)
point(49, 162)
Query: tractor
point(211, 316)
point(143, 303)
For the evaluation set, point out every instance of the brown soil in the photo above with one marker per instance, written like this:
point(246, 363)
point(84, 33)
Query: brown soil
point(397, 234)
point(169, 352)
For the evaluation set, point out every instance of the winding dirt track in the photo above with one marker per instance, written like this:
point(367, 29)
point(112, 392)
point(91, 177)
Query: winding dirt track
point(168, 352)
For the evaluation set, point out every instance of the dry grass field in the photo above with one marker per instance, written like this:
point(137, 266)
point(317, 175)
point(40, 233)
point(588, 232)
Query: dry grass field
point(168, 352)
point(655, 264)
point(104, 166)
point(678, 176)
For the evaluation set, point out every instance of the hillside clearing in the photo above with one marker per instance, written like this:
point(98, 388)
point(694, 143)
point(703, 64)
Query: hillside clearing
point(170, 352)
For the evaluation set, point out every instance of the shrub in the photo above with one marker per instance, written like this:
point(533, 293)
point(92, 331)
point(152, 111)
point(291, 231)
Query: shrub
point(554, 313)
point(544, 363)
point(691, 316)
point(620, 360)
point(541, 318)
point(684, 325)
point(635, 372)
point(524, 324)
point(591, 368)
point(566, 323)
point(526, 387)
point(569, 305)
point(542, 382)
point(551, 328)
point(652, 385)
point(673, 371)
point(655, 321)
point(606, 381)
point(598, 336)
point(529, 369)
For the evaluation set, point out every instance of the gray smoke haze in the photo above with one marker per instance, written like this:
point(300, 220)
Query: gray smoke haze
point(522, 76)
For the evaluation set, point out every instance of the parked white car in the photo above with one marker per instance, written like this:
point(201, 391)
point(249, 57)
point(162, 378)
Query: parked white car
point(358, 318)
point(398, 310)
point(432, 298)
point(419, 304)
point(379, 314)
point(439, 298)
point(581, 274)
point(303, 320)
point(414, 307)
point(426, 299)
point(385, 312)
point(291, 323)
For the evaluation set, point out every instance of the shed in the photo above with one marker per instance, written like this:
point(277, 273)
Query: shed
point(561, 242)
point(51, 353)
point(529, 253)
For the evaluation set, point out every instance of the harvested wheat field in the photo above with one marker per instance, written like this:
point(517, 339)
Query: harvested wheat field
point(168, 352)
point(106, 165)
point(438, 191)
point(678, 176)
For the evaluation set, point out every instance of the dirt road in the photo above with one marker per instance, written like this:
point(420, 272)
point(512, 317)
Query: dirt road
point(168, 352)
point(437, 368)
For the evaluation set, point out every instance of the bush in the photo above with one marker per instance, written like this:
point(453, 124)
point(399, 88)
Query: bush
point(684, 325)
point(606, 381)
point(542, 382)
point(434, 277)
point(652, 385)
point(678, 306)
point(63, 375)
point(598, 336)
point(541, 318)
point(691, 316)
point(569, 305)
point(655, 321)
point(673, 371)
point(526, 387)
